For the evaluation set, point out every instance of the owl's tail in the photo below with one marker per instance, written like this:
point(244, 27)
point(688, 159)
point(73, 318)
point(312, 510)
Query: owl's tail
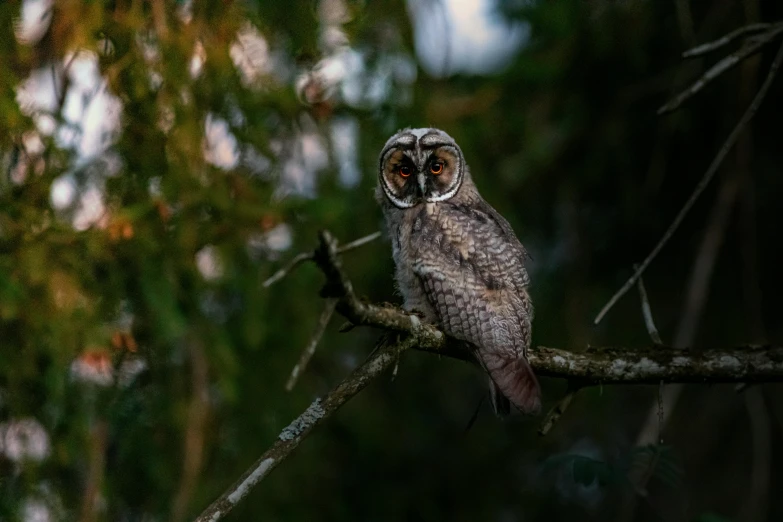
point(514, 382)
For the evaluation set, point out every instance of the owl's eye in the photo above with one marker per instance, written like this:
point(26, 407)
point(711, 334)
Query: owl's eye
point(405, 171)
point(436, 168)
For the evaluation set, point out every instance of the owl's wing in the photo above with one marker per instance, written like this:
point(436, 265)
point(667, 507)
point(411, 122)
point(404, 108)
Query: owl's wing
point(521, 254)
point(471, 268)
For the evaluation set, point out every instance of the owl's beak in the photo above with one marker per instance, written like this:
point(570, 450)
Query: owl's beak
point(422, 179)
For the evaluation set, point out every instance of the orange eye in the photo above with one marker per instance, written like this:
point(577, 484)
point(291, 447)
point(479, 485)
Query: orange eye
point(405, 171)
point(436, 168)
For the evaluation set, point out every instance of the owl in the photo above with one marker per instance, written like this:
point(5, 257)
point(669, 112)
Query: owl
point(458, 261)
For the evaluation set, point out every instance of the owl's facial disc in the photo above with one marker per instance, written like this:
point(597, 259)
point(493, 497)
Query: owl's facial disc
point(420, 165)
point(443, 173)
point(398, 178)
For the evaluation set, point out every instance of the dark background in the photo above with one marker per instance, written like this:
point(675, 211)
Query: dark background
point(563, 140)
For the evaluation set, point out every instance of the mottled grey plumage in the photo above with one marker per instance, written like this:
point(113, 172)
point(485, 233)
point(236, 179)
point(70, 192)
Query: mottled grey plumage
point(458, 260)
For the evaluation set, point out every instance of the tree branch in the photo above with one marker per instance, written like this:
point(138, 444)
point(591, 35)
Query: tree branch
point(655, 364)
point(709, 47)
point(291, 436)
point(594, 366)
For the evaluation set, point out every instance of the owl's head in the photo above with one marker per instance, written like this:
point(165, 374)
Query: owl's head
point(420, 165)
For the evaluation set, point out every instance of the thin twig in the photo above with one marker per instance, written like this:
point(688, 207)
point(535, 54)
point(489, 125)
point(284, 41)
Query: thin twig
point(558, 409)
point(309, 350)
point(751, 46)
point(358, 242)
point(647, 311)
point(295, 262)
point(713, 168)
point(709, 47)
point(308, 256)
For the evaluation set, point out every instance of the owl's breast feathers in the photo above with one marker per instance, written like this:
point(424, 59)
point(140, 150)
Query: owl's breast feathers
point(470, 267)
